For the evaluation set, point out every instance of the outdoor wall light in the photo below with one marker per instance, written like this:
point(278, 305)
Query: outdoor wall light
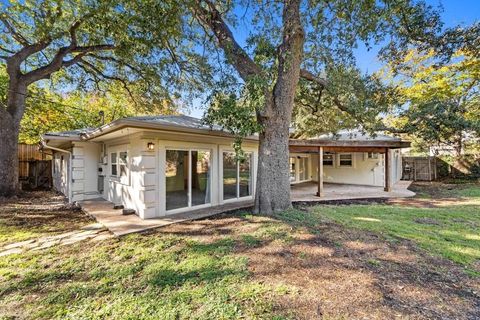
point(150, 146)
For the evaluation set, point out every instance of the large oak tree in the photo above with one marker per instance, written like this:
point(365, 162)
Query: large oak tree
point(80, 44)
point(290, 42)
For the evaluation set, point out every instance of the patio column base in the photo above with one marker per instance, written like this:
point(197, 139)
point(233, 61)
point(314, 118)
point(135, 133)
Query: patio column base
point(319, 194)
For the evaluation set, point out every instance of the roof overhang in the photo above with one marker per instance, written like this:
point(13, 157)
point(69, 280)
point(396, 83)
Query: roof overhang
point(138, 124)
point(313, 145)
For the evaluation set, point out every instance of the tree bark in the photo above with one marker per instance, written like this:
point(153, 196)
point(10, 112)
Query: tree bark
point(273, 180)
point(10, 118)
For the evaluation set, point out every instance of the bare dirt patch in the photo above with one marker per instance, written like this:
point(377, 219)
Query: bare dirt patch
point(38, 213)
point(335, 272)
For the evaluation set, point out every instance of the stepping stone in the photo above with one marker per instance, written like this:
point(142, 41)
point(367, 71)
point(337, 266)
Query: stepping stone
point(19, 244)
point(10, 251)
point(94, 226)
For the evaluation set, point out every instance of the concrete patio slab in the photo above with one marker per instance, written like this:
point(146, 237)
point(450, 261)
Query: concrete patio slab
point(102, 210)
point(307, 192)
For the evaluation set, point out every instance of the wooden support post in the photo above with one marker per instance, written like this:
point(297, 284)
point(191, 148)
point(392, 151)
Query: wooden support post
point(320, 172)
point(388, 187)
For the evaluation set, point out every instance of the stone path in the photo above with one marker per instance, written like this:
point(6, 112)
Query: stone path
point(94, 232)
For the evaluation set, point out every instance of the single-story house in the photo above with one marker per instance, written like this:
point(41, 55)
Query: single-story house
point(161, 165)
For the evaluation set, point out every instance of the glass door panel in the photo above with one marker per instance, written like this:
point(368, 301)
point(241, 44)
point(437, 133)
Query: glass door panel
point(292, 169)
point(245, 174)
point(176, 177)
point(200, 177)
point(229, 176)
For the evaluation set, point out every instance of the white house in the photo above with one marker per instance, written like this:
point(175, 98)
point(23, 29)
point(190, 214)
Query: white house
point(161, 165)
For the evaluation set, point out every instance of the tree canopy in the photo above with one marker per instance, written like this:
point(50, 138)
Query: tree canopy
point(439, 103)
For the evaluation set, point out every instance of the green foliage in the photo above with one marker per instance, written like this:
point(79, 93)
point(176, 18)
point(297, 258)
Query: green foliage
point(352, 100)
point(440, 103)
point(332, 33)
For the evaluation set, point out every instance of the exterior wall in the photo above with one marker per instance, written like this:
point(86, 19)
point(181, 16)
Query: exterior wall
point(85, 160)
point(144, 190)
point(363, 172)
point(60, 169)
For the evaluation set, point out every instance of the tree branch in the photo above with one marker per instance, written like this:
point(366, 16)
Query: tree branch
point(15, 34)
point(211, 17)
point(97, 71)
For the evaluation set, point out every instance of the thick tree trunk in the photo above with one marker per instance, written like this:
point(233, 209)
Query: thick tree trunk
point(9, 130)
point(273, 180)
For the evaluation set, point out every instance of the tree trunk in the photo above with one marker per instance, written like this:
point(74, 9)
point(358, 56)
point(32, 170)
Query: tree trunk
point(10, 118)
point(273, 177)
point(273, 180)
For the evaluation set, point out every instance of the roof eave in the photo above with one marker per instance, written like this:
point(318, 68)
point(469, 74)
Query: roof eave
point(350, 143)
point(122, 123)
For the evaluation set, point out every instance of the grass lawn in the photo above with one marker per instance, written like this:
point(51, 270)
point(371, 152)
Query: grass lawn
point(450, 228)
point(376, 261)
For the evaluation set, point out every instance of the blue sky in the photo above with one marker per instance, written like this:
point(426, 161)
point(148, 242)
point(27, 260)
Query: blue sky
point(455, 12)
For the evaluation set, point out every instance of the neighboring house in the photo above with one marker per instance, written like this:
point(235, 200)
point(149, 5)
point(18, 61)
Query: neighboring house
point(162, 165)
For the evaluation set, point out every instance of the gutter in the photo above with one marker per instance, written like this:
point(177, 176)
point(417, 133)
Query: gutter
point(43, 144)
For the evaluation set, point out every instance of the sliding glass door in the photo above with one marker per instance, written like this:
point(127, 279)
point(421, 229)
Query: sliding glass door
point(237, 176)
point(187, 178)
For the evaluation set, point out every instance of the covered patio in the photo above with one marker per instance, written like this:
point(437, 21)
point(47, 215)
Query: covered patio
point(307, 192)
point(342, 156)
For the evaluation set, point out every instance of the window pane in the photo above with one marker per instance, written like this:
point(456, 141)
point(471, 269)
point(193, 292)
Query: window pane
point(246, 176)
point(346, 160)
point(123, 170)
point(176, 179)
point(200, 177)
point(328, 159)
point(303, 168)
point(113, 163)
point(123, 157)
point(229, 176)
point(292, 169)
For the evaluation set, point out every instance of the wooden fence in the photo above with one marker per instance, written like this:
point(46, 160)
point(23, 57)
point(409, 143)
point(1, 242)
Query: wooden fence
point(419, 168)
point(34, 167)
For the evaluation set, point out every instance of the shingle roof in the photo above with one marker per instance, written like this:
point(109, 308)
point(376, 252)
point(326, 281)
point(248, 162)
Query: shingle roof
point(70, 133)
point(177, 120)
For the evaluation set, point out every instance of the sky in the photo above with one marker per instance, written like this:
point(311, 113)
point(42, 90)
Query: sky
point(455, 12)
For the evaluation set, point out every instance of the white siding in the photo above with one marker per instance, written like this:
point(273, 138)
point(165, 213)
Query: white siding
point(60, 172)
point(363, 172)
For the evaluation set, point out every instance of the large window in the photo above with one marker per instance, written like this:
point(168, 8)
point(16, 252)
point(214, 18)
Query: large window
point(187, 178)
point(237, 176)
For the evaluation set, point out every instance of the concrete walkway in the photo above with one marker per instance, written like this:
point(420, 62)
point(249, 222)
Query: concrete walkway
point(119, 224)
point(307, 192)
point(95, 232)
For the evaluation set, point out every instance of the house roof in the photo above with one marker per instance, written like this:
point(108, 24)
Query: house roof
point(349, 140)
point(183, 123)
point(69, 134)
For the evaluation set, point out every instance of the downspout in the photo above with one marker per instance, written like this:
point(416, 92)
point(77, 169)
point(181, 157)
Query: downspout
point(70, 180)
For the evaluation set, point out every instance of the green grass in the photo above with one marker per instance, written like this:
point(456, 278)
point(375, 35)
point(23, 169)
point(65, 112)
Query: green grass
point(136, 277)
point(451, 231)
